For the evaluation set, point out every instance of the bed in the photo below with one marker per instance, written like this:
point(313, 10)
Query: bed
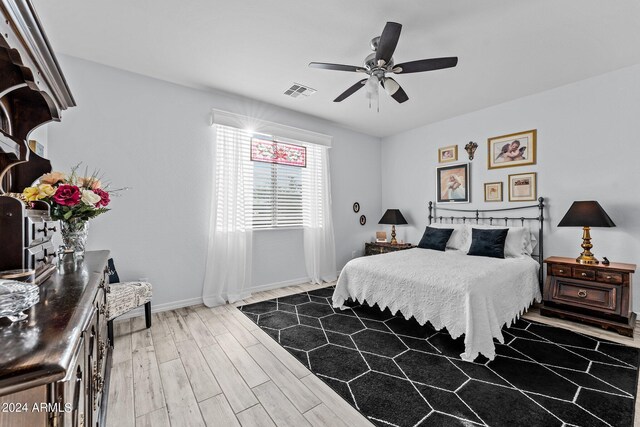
point(469, 295)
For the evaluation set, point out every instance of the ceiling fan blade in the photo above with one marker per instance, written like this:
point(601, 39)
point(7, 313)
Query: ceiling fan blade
point(336, 67)
point(388, 41)
point(426, 65)
point(353, 89)
point(394, 89)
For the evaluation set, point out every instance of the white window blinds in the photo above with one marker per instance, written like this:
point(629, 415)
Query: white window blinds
point(277, 195)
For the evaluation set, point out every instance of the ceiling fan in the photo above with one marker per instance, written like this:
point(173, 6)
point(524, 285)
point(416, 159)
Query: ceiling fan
point(379, 63)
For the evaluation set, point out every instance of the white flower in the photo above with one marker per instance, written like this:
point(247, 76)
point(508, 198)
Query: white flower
point(89, 197)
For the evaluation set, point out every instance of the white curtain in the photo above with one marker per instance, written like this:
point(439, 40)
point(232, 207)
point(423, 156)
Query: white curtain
point(228, 265)
point(319, 242)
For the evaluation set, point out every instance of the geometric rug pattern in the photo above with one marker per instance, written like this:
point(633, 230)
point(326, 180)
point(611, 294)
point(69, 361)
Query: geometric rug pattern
point(399, 373)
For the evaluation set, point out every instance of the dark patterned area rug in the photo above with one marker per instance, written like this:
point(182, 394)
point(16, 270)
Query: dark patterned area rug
point(398, 373)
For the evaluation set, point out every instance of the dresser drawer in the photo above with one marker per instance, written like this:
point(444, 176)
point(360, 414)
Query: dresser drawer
point(373, 250)
point(560, 270)
point(602, 297)
point(610, 277)
point(584, 273)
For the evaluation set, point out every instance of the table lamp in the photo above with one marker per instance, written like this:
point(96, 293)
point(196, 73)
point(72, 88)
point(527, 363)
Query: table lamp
point(586, 214)
point(393, 217)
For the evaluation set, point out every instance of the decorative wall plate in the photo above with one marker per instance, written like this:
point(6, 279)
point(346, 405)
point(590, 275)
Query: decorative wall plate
point(356, 207)
point(363, 220)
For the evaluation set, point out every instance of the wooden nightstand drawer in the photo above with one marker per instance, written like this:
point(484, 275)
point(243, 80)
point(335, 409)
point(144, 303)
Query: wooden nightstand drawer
point(597, 296)
point(610, 277)
point(560, 270)
point(383, 248)
point(584, 273)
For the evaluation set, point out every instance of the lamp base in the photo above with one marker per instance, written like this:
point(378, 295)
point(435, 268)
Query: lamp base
point(393, 235)
point(587, 260)
point(586, 257)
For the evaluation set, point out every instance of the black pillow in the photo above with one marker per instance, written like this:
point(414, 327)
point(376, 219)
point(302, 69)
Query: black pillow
point(111, 271)
point(435, 238)
point(489, 243)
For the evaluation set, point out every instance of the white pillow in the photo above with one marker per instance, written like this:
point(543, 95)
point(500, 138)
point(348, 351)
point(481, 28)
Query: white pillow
point(518, 241)
point(459, 238)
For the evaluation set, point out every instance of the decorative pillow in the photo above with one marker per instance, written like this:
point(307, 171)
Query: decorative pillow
point(487, 242)
point(111, 271)
point(459, 238)
point(435, 238)
point(518, 241)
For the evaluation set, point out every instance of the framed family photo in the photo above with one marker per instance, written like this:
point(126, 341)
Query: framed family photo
point(448, 154)
point(522, 187)
point(453, 184)
point(516, 149)
point(493, 192)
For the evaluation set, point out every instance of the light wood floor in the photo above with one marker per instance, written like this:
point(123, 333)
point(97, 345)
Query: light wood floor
point(200, 366)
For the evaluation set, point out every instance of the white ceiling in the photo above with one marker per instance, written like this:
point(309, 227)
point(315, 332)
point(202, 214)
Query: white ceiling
point(507, 48)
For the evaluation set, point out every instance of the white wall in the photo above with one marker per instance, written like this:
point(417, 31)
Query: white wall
point(588, 149)
point(155, 137)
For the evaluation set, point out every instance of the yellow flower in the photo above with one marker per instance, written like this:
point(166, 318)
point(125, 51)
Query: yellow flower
point(53, 178)
point(45, 190)
point(31, 194)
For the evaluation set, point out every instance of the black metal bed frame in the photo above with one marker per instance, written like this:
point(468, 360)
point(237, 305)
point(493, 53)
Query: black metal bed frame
point(433, 217)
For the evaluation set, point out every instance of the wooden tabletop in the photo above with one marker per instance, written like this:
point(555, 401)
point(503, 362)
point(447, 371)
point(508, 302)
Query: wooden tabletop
point(572, 261)
point(38, 350)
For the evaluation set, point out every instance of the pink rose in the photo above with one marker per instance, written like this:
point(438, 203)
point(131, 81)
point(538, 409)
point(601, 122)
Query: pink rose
point(89, 182)
point(104, 197)
point(67, 195)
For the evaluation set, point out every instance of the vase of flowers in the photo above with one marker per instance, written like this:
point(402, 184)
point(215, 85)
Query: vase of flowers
point(74, 200)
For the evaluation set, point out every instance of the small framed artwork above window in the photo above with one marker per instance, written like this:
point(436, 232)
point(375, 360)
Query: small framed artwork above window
point(493, 192)
point(281, 153)
point(448, 154)
point(516, 149)
point(453, 183)
point(523, 187)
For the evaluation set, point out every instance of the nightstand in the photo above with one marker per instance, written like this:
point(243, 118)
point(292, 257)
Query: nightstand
point(383, 248)
point(596, 294)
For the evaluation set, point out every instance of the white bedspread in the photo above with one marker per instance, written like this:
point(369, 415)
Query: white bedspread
point(468, 295)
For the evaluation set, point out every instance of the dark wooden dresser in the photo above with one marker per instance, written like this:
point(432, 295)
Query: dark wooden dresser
point(597, 294)
point(54, 366)
point(371, 248)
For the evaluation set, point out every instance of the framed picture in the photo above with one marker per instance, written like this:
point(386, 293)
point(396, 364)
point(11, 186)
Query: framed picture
point(516, 149)
point(453, 184)
point(493, 192)
point(448, 154)
point(381, 236)
point(36, 147)
point(523, 187)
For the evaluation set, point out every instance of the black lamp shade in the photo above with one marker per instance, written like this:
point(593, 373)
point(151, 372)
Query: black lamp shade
point(393, 217)
point(586, 214)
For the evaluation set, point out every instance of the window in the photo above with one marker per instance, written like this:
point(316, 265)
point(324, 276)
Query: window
point(276, 195)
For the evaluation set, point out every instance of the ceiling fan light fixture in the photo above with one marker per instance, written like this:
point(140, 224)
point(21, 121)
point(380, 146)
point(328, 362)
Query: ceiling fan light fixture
point(372, 85)
point(391, 86)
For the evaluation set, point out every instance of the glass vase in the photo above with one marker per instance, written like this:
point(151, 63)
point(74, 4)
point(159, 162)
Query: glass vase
point(74, 236)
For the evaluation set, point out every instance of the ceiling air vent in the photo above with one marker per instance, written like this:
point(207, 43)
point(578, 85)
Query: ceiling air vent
point(297, 89)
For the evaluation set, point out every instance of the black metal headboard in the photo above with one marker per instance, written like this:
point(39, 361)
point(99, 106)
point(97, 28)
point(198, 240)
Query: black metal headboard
point(477, 217)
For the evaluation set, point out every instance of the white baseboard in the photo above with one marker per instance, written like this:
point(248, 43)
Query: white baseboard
point(162, 307)
point(156, 308)
point(269, 286)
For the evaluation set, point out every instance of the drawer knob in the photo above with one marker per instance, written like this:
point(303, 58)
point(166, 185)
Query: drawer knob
point(582, 293)
point(609, 277)
point(584, 274)
point(561, 271)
